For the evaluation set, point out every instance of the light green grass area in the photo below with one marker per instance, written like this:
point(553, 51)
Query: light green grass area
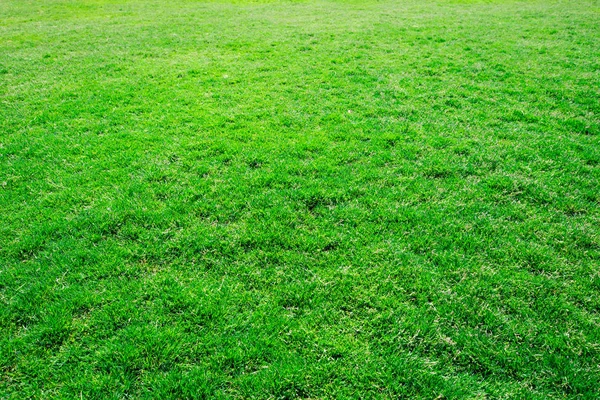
point(308, 199)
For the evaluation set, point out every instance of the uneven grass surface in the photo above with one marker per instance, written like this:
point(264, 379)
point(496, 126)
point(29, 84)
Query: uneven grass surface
point(299, 199)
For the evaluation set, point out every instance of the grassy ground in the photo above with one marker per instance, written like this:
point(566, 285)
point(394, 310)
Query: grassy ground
point(299, 199)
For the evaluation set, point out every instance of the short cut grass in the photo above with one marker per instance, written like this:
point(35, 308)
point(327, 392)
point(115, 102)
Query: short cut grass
point(309, 199)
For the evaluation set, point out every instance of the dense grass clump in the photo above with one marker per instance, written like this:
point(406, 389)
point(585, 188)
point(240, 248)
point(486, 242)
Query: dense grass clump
point(309, 199)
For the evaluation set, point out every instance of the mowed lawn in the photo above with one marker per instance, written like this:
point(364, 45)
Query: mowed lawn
point(305, 199)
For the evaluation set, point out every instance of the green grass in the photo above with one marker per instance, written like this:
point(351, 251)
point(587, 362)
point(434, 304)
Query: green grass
point(310, 199)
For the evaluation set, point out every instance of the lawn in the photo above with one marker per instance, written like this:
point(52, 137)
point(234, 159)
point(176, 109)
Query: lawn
point(300, 199)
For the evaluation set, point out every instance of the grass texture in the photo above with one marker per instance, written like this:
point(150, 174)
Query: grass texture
point(308, 199)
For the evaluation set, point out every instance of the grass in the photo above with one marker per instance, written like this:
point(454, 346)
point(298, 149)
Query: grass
point(310, 199)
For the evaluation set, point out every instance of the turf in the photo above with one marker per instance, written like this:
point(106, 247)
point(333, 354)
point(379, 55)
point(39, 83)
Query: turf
point(310, 199)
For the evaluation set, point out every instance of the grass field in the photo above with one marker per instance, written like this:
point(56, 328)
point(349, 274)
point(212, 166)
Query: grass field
point(309, 199)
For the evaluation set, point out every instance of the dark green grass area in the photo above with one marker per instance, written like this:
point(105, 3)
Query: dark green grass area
point(395, 199)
